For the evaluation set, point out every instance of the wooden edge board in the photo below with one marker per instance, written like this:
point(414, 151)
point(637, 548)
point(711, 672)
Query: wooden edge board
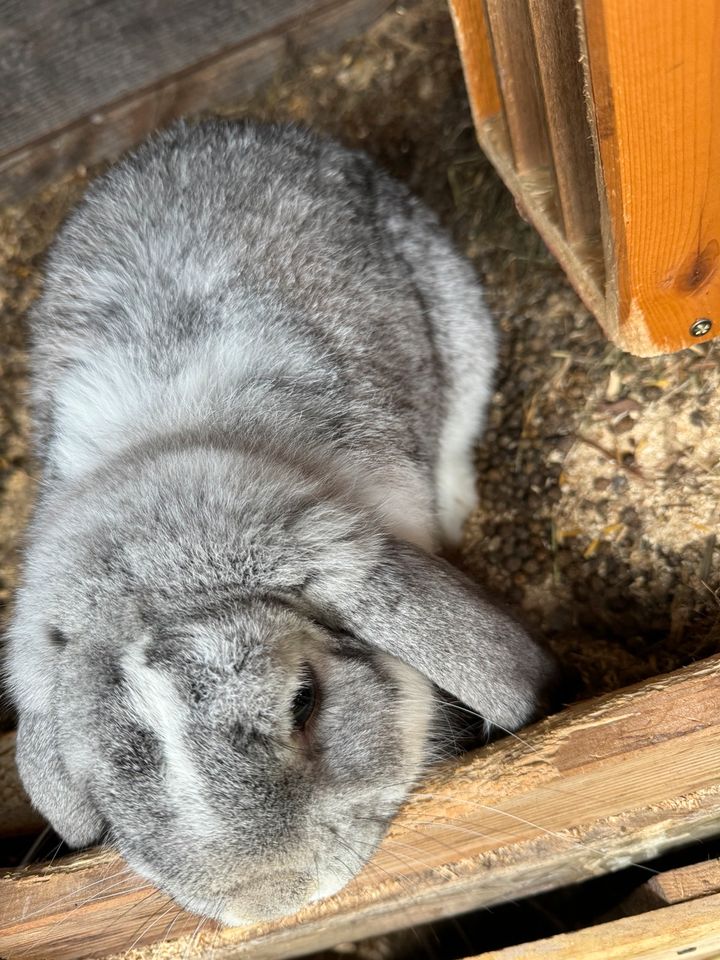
point(583, 263)
point(686, 930)
point(216, 82)
point(519, 83)
point(476, 55)
point(558, 56)
point(598, 106)
point(670, 887)
point(653, 73)
point(588, 791)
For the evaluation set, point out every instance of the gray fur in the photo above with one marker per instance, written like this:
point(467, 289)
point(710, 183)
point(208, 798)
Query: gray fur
point(259, 369)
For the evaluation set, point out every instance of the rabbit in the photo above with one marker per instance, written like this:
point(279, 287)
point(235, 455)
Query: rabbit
point(259, 369)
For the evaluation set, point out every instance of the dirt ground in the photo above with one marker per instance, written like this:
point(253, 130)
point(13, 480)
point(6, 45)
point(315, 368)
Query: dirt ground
point(599, 473)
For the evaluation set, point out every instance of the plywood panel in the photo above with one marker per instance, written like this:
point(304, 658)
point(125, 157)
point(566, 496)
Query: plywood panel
point(66, 59)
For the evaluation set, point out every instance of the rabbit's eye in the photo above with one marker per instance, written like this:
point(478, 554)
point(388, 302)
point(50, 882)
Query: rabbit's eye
point(305, 702)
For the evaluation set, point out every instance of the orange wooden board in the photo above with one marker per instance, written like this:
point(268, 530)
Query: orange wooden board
point(472, 37)
point(654, 68)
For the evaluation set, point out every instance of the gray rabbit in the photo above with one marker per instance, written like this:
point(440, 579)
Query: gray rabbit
point(258, 372)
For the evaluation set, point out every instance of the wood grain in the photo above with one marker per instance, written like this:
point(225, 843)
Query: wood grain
point(586, 792)
point(650, 72)
point(582, 262)
point(654, 73)
point(476, 54)
point(534, 192)
point(671, 886)
point(69, 59)
point(558, 55)
point(686, 883)
point(175, 70)
point(519, 81)
point(685, 930)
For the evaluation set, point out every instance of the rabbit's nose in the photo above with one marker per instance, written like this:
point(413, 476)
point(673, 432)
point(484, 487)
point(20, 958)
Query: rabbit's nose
point(268, 897)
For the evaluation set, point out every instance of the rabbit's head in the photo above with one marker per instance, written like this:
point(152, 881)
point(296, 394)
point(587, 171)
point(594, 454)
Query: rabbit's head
point(227, 673)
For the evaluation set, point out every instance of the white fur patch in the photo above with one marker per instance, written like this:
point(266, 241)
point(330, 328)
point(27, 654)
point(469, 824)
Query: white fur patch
point(111, 399)
point(457, 494)
point(404, 502)
point(415, 711)
point(156, 704)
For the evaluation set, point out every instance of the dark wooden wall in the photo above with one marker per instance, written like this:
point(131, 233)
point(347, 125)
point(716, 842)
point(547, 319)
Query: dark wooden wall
point(82, 80)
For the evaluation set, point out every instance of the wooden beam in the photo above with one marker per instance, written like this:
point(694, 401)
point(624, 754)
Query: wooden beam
point(670, 887)
point(653, 75)
point(586, 792)
point(519, 81)
point(686, 883)
point(558, 54)
point(685, 930)
point(96, 77)
point(583, 263)
point(476, 54)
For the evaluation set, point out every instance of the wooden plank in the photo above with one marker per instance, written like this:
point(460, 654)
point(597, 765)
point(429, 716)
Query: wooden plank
point(474, 45)
point(583, 263)
point(100, 128)
point(686, 930)
point(585, 792)
point(686, 883)
point(672, 886)
point(558, 54)
point(67, 61)
point(654, 73)
point(519, 80)
point(17, 817)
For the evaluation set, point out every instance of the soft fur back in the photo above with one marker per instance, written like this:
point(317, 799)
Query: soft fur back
point(222, 255)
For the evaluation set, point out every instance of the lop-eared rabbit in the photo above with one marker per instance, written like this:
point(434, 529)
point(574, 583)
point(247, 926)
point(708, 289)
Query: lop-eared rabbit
point(258, 372)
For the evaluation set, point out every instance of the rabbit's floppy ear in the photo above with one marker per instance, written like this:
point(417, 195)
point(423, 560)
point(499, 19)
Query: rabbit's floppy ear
point(425, 612)
point(50, 787)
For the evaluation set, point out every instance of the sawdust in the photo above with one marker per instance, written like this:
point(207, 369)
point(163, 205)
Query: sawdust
point(676, 470)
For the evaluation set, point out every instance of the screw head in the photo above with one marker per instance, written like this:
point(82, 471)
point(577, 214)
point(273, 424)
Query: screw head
point(701, 326)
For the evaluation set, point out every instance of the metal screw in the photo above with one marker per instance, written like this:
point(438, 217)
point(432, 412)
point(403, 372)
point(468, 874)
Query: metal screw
point(701, 326)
